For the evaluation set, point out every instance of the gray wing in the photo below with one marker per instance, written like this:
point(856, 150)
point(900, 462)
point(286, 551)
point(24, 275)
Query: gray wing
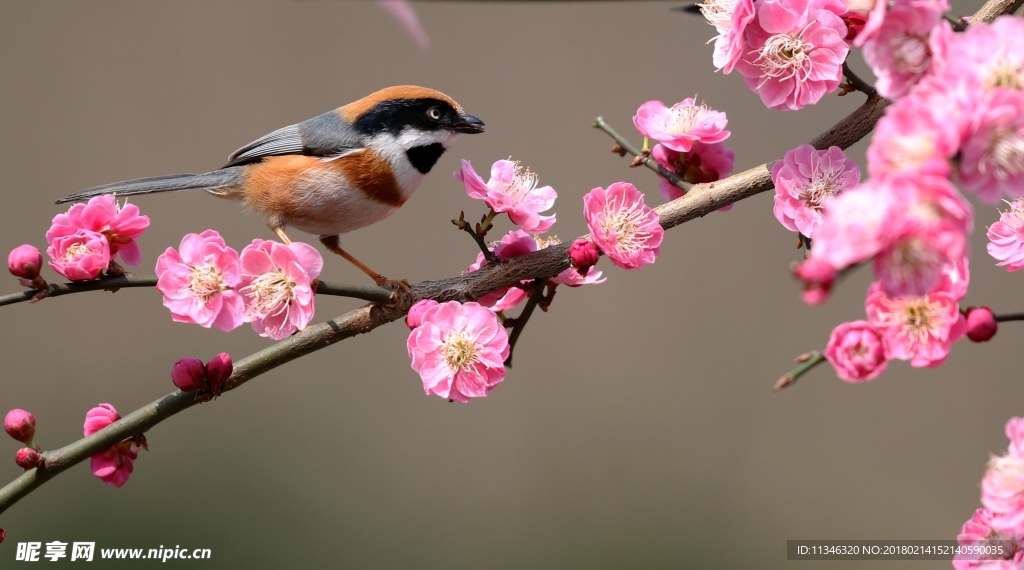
point(327, 135)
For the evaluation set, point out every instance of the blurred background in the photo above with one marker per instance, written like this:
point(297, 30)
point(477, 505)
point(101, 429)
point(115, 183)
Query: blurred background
point(638, 427)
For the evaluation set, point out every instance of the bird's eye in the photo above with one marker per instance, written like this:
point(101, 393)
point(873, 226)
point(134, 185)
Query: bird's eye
point(434, 113)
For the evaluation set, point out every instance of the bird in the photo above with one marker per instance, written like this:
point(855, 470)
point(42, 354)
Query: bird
point(335, 173)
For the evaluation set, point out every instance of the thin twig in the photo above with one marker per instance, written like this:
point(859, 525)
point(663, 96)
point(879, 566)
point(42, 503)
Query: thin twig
point(463, 225)
point(365, 292)
point(544, 263)
point(808, 361)
point(1005, 317)
point(600, 123)
point(535, 297)
point(857, 83)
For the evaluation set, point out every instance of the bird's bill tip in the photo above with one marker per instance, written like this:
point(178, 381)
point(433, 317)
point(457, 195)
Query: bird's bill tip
point(468, 124)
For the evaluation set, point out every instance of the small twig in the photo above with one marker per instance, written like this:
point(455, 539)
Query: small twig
point(463, 225)
point(1005, 317)
point(857, 83)
point(521, 320)
point(641, 158)
point(808, 360)
point(365, 292)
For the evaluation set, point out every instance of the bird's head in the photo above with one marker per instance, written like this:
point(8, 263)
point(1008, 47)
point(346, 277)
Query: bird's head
point(411, 117)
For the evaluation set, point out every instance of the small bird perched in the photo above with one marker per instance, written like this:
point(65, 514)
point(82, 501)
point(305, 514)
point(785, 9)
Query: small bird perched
point(329, 175)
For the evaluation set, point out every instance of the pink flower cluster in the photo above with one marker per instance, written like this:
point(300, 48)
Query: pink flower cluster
point(88, 237)
point(514, 191)
point(459, 350)
point(115, 464)
point(623, 227)
point(806, 180)
point(1000, 523)
point(270, 284)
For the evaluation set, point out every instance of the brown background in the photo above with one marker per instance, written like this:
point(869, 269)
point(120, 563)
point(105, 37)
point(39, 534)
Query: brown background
point(638, 428)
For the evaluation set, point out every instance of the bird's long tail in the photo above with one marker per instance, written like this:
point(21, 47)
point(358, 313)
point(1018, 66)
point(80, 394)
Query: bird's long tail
point(224, 178)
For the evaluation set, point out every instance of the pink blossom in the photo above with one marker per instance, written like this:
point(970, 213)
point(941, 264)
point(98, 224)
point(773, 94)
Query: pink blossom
point(873, 14)
point(851, 231)
point(805, 181)
point(415, 316)
point(24, 262)
point(1015, 433)
point(115, 464)
point(584, 255)
point(20, 425)
point(919, 329)
point(992, 162)
point(856, 350)
point(1002, 492)
point(729, 42)
point(682, 125)
point(218, 370)
point(915, 253)
point(403, 12)
point(512, 190)
point(978, 531)
point(910, 139)
point(276, 286)
point(795, 52)
point(981, 325)
point(989, 56)
point(188, 374)
point(703, 163)
point(818, 278)
point(459, 351)
point(572, 278)
point(120, 224)
point(625, 229)
point(199, 282)
point(512, 244)
point(79, 256)
point(901, 52)
point(1006, 237)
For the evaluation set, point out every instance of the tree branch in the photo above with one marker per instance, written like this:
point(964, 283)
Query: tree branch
point(548, 262)
point(517, 329)
point(600, 123)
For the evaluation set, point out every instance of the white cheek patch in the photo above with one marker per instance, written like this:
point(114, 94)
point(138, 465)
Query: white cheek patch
point(393, 148)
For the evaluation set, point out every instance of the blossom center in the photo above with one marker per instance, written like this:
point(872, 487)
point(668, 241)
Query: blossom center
point(206, 282)
point(460, 351)
point(785, 56)
point(623, 224)
point(910, 151)
point(523, 182)
point(910, 53)
point(718, 13)
point(919, 318)
point(1005, 154)
point(684, 119)
point(271, 294)
point(822, 187)
point(1006, 74)
point(75, 250)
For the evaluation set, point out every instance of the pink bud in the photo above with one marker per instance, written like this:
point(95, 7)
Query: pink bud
point(218, 370)
point(584, 255)
point(28, 458)
point(188, 374)
point(818, 278)
point(3, 535)
point(981, 324)
point(415, 316)
point(25, 261)
point(20, 425)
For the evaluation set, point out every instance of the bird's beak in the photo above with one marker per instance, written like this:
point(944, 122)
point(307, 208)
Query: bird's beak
point(468, 124)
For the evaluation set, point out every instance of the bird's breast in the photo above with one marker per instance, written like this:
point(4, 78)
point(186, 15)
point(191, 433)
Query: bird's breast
point(324, 196)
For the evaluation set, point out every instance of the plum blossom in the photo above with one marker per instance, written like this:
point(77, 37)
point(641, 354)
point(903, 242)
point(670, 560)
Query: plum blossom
point(703, 163)
point(989, 56)
point(857, 351)
point(459, 350)
point(80, 256)
point(920, 329)
point(818, 278)
point(912, 260)
point(911, 139)
point(1002, 488)
point(276, 286)
point(978, 531)
point(120, 224)
point(1006, 237)
point(415, 316)
point(805, 182)
point(681, 125)
point(514, 191)
point(512, 244)
point(901, 52)
point(115, 464)
point(730, 40)
point(24, 262)
point(852, 228)
point(199, 282)
point(625, 229)
point(992, 162)
point(794, 52)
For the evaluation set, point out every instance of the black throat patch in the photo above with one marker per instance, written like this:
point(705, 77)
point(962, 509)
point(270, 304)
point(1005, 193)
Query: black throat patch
point(425, 157)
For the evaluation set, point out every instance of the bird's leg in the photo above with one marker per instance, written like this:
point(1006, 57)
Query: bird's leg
point(333, 243)
point(284, 237)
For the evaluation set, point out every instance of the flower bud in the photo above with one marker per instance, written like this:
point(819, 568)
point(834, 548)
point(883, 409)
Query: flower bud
point(28, 458)
point(3, 535)
point(584, 255)
point(218, 370)
point(415, 316)
point(20, 425)
point(981, 324)
point(188, 374)
point(25, 261)
point(818, 278)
